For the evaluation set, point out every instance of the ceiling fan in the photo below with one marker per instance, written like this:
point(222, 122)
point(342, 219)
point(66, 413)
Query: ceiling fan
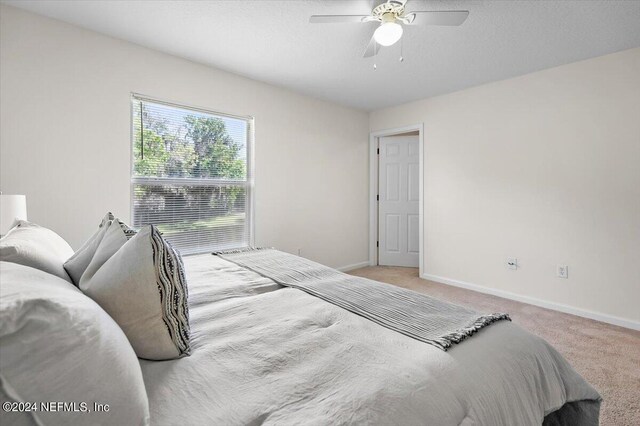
point(392, 16)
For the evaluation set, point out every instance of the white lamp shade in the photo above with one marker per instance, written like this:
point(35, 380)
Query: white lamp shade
point(12, 208)
point(388, 33)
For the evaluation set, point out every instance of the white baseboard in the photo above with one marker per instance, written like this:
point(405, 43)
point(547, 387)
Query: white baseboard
point(353, 266)
point(610, 319)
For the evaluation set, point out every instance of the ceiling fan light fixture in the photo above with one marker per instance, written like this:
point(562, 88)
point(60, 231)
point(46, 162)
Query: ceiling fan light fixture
point(388, 33)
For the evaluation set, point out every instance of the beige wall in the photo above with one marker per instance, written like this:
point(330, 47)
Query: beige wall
point(64, 119)
point(543, 167)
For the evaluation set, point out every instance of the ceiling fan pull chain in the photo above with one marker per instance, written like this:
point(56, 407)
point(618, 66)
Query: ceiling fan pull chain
point(401, 44)
point(375, 56)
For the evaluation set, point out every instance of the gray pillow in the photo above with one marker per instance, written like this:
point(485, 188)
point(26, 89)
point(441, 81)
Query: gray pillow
point(78, 263)
point(140, 282)
point(36, 246)
point(56, 344)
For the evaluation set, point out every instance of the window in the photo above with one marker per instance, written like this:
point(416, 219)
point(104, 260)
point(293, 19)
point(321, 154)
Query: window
point(191, 175)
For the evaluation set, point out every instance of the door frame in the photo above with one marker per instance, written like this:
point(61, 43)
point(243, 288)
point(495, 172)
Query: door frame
point(374, 138)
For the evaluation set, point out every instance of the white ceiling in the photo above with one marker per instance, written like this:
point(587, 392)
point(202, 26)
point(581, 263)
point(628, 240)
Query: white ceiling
point(272, 41)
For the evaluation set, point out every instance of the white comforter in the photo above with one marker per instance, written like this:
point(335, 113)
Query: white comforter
point(264, 354)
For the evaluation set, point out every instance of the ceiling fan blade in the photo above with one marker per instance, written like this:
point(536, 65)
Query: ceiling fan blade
point(336, 19)
point(371, 49)
point(444, 17)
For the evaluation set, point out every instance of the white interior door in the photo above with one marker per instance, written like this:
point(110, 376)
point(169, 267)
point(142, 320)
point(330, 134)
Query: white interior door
point(398, 206)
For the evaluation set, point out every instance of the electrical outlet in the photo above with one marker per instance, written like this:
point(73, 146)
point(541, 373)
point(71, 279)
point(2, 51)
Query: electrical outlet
point(512, 263)
point(299, 252)
point(563, 271)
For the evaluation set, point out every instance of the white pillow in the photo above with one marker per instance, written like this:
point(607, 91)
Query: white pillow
point(32, 245)
point(56, 344)
point(78, 263)
point(140, 282)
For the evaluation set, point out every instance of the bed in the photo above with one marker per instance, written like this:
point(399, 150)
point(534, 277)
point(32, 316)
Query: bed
point(253, 337)
point(267, 354)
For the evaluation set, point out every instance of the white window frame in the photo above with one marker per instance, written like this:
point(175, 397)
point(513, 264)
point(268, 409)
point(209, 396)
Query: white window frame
point(248, 184)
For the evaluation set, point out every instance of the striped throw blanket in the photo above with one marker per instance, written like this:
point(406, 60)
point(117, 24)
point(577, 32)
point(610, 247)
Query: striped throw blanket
point(416, 315)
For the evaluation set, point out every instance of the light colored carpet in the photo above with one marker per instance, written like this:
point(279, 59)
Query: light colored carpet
point(607, 356)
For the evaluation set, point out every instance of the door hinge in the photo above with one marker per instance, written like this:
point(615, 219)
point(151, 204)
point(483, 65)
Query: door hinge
point(378, 151)
point(378, 197)
point(377, 243)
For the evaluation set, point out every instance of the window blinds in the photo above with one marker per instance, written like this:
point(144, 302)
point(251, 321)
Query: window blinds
point(191, 175)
